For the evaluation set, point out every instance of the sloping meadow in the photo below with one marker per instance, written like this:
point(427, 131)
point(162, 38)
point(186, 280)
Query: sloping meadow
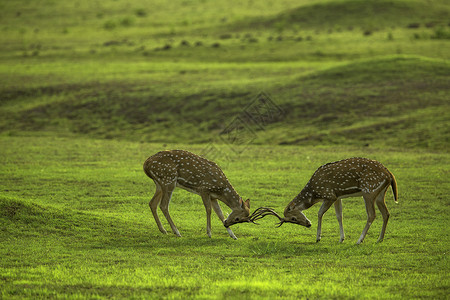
point(394, 100)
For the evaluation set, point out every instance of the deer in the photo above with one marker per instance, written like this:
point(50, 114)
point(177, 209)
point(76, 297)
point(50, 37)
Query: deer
point(330, 183)
point(179, 168)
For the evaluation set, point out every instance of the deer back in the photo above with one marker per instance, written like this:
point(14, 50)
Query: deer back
point(346, 177)
point(188, 171)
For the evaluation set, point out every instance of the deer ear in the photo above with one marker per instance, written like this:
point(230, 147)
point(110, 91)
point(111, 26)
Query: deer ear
point(247, 203)
point(241, 203)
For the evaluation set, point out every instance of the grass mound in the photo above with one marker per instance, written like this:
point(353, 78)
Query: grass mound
point(385, 69)
point(367, 15)
point(29, 219)
point(389, 100)
point(36, 219)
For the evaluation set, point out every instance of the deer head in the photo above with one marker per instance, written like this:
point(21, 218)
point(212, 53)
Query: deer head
point(293, 214)
point(240, 214)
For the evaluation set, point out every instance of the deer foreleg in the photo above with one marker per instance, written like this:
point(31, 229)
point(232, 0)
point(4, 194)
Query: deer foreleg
point(219, 213)
point(207, 202)
point(325, 206)
point(338, 210)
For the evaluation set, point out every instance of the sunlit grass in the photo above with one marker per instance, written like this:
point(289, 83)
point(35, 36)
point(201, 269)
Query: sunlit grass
point(76, 222)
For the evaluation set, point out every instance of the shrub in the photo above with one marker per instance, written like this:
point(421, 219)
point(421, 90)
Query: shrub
point(184, 43)
point(127, 22)
point(109, 25)
point(441, 34)
point(140, 12)
point(414, 25)
point(225, 36)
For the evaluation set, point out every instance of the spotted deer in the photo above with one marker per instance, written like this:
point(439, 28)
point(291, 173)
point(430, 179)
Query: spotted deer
point(352, 177)
point(179, 168)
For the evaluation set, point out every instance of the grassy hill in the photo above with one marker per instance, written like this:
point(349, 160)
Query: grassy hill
point(353, 72)
point(396, 100)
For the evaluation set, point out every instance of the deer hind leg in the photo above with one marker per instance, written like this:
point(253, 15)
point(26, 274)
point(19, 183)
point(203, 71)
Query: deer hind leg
point(384, 212)
point(338, 210)
point(369, 200)
point(154, 207)
point(165, 201)
point(207, 202)
point(219, 213)
point(323, 209)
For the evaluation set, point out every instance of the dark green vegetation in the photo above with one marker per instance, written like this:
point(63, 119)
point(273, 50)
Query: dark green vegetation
point(89, 90)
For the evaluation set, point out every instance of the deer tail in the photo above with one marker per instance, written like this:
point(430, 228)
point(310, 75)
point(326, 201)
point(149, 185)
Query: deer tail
point(394, 187)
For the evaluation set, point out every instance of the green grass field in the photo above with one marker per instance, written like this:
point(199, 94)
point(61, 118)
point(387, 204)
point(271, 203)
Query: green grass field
point(89, 90)
point(76, 223)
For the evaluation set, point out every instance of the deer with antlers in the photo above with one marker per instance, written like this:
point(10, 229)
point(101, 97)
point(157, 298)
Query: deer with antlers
point(331, 183)
point(179, 168)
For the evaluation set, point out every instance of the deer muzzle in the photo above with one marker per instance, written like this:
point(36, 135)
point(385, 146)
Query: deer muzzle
point(227, 223)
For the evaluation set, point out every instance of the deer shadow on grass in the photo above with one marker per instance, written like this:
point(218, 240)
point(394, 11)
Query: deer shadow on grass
point(152, 241)
point(286, 248)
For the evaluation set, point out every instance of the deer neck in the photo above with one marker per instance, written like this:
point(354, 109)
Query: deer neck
point(230, 197)
point(305, 199)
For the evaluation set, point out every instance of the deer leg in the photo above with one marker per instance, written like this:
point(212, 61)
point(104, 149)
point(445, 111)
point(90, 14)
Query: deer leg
point(338, 210)
point(325, 206)
point(384, 212)
point(207, 202)
point(370, 209)
point(154, 207)
point(219, 213)
point(165, 201)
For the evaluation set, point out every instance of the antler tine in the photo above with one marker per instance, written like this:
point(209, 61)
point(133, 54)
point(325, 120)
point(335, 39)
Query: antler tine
point(258, 212)
point(262, 212)
point(280, 223)
point(255, 215)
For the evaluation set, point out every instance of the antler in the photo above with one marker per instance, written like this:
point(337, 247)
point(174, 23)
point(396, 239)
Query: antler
point(262, 212)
